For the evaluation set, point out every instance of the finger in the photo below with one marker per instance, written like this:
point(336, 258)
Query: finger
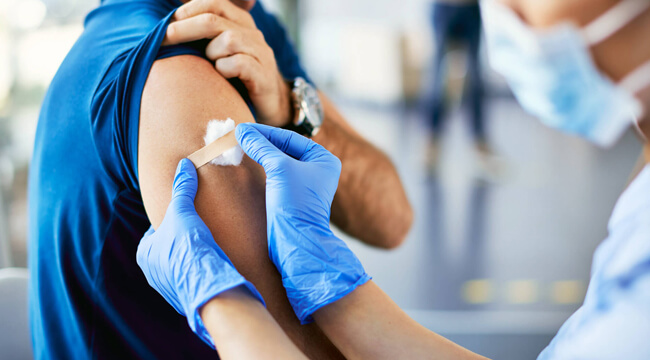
point(223, 8)
point(185, 181)
point(244, 67)
point(297, 146)
point(289, 142)
point(317, 153)
point(258, 147)
point(231, 42)
point(203, 26)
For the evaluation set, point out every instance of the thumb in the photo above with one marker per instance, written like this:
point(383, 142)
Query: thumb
point(257, 146)
point(185, 181)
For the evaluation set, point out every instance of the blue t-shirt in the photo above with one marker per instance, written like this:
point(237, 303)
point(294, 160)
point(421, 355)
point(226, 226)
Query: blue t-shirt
point(88, 298)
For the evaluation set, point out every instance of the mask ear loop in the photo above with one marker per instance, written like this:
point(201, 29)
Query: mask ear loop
point(614, 20)
point(635, 82)
point(609, 23)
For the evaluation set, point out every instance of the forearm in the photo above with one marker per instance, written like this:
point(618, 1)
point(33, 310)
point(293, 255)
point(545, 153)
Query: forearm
point(370, 203)
point(367, 324)
point(242, 328)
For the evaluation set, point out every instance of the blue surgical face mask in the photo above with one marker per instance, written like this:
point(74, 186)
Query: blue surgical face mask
point(553, 76)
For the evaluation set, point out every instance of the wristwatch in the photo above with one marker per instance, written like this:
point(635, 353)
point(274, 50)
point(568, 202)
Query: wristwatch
point(308, 110)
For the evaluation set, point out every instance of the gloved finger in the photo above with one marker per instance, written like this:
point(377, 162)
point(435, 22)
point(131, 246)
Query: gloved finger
point(317, 153)
point(289, 142)
point(258, 147)
point(185, 182)
point(149, 232)
point(144, 248)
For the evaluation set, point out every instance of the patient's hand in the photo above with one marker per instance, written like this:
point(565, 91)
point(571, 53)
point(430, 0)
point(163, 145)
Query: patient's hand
point(238, 50)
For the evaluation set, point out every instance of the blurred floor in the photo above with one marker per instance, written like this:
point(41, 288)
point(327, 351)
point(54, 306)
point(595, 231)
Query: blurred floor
point(495, 266)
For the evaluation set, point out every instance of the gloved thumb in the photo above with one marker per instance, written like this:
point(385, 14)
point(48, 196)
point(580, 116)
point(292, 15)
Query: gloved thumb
point(257, 146)
point(288, 142)
point(185, 181)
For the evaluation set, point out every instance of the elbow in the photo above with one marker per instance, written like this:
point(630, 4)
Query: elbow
point(396, 231)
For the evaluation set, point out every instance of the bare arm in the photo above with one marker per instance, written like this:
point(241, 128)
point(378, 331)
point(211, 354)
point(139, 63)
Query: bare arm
point(367, 324)
point(181, 95)
point(370, 203)
point(242, 329)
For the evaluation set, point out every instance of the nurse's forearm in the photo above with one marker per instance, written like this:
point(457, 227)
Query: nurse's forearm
point(370, 203)
point(367, 324)
point(242, 328)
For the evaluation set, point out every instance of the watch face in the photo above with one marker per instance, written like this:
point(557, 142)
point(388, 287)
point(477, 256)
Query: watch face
point(312, 106)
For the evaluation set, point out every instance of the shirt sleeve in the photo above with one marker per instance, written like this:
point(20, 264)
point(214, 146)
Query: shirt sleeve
point(276, 37)
point(115, 107)
point(614, 321)
point(617, 331)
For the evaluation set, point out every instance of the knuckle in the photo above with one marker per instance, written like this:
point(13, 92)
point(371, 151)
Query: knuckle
point(268, 52)
point(229, 39)
point(171, 31)
point(211, 20)
point(238, 63)
point(247, 17)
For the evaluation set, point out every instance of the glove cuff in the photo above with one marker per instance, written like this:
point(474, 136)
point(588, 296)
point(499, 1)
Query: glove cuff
point(339, 291)
point(317, 267)
point(194, 318)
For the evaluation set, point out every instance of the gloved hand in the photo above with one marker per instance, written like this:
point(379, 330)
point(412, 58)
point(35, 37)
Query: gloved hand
point(317, 268)
point(181, 260)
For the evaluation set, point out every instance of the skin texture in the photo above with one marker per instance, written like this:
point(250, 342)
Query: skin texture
point(371, 204)
point(366, 324)
point(181, 95)
point(242, 329)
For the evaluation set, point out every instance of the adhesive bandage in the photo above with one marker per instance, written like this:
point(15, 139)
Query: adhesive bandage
point(221, 145)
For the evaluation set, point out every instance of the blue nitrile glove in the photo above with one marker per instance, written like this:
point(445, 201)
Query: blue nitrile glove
point(317, 268)
point(181, 260)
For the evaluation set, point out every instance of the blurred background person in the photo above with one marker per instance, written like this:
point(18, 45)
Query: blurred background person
point(457, 24)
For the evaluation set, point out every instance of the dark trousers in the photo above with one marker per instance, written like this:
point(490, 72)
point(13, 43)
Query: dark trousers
point(459, 24)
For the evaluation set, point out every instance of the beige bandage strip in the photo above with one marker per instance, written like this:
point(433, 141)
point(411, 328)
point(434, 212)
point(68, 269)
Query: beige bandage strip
point(212, 150)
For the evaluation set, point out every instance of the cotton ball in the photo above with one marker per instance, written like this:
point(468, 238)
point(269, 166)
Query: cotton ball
point(217, 129)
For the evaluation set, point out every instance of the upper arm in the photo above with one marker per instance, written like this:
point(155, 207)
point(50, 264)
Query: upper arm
point(181, 95)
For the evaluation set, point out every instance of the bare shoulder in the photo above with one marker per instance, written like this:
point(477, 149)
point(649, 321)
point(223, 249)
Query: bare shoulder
point(181, 95)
